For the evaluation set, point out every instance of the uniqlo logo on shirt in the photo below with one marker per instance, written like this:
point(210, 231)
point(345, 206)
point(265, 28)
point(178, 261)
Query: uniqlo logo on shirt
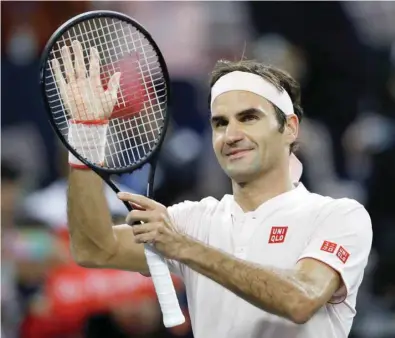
point(277, 234)
point(328, 247)
point(342, 254)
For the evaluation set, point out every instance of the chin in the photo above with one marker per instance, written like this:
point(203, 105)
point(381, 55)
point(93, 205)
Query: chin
point(241, 176)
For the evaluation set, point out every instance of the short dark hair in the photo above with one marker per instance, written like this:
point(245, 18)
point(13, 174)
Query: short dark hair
point(277, 77)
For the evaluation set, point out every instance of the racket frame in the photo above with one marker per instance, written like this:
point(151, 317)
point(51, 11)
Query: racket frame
point(151, 158)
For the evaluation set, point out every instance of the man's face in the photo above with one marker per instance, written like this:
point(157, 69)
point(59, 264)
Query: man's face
point(246, 137)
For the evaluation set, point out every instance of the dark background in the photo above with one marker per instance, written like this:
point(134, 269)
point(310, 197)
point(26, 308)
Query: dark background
point(343, 53)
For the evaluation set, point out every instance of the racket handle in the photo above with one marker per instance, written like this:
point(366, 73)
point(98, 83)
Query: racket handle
point(164, 287)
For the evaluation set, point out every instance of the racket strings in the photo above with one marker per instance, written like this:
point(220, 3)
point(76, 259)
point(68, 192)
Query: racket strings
point(137, 121)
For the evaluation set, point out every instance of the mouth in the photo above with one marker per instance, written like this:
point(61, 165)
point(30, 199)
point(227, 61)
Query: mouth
point(237, 153)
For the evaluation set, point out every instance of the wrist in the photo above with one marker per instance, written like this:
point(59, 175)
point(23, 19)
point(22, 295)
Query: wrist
point(189, 250)
point(88, 138)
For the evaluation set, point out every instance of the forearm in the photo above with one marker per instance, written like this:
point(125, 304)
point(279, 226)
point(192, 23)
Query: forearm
point(89, 218)
point(273, 290)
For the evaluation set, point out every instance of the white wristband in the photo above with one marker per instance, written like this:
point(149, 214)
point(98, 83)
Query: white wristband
point(89, 141)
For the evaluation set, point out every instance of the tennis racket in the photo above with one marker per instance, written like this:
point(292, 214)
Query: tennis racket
point(105, 86)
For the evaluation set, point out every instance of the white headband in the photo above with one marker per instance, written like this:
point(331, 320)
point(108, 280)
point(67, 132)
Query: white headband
point(255, 84)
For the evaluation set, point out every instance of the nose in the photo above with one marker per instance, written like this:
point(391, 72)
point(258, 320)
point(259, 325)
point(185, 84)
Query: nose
point(233, 133)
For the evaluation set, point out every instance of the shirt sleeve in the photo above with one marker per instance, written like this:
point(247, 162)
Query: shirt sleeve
point(343, 240)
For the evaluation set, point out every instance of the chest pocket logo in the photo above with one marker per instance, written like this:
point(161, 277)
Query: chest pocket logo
point(277, 234)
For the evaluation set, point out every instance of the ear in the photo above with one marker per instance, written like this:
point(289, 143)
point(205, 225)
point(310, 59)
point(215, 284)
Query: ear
point(291, 129)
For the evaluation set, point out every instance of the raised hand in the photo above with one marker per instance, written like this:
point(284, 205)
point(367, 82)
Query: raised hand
point(83, 95)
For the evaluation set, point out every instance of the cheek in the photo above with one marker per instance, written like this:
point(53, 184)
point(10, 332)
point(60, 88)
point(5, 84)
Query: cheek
point(268, 138)
point(217, 143)
point(274, 145)
point(272, 139)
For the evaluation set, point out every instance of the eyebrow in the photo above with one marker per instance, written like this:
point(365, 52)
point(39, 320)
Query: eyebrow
point(248, 111)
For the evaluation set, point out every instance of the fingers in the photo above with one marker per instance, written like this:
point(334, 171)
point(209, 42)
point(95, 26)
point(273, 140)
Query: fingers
point(113, 86)
point(68, 64)
point(60, 81)
point(79, 64)
point(136, 206)
point(143, 216)
point(147, 227)
point(141, 200)
point(94, 67)
point(147, 233)
point(146, 238)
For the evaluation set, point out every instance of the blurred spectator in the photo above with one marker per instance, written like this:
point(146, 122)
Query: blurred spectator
point(10, 189)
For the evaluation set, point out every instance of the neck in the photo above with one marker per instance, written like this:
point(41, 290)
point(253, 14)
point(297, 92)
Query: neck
point(249, 196)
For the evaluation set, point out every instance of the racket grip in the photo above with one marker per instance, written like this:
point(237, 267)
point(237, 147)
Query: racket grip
point(164, 287)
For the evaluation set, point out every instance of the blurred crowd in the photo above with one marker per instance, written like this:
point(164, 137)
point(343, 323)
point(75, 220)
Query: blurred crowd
point(343, 54)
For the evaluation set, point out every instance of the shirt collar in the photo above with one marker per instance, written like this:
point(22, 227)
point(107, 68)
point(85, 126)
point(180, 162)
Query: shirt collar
point(280, 201)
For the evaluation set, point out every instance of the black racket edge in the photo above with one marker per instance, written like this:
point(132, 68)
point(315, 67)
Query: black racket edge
point(150, 182)
point(151, 157)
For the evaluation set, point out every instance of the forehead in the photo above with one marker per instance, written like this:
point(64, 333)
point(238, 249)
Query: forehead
point(235, 101)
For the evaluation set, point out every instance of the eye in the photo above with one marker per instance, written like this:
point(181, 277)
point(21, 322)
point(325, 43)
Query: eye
point(220, 123)
point(249, 117)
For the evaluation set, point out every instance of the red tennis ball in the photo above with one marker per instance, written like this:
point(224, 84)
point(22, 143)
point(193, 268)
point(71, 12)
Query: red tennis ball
point(131, 92)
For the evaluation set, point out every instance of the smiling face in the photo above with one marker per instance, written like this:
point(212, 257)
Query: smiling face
point(246, 136)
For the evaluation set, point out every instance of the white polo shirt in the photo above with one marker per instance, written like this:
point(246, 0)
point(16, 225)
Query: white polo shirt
point(283, 230)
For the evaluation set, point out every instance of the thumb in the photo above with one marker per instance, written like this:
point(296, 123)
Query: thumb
point(113, 86)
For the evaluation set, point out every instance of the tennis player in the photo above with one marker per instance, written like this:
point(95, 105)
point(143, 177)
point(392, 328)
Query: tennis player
point(272, 260)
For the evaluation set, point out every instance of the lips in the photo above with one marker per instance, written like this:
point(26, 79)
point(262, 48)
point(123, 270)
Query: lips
point(237, 152)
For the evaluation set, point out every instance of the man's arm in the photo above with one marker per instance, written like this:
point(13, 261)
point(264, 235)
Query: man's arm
point(94, 242)
point(294, 294)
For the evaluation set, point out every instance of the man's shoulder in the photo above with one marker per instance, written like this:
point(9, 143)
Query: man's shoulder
point(194, 217)
point(207, 204)
point(332, 204)
point(330, 208)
